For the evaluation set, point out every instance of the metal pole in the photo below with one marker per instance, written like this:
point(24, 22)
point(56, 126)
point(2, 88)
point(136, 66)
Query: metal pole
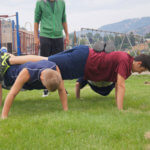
point(0, 34)
point(13, 29)
point(75, 39)
point(18, 37)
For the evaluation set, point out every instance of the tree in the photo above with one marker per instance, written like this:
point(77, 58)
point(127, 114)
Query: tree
point(90, 37)
point(126, 43)
point(147, 35)
point(83, 41)
point(117, 41)
point(132, 38)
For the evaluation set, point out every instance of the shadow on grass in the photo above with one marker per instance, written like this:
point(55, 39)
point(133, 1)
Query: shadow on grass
point(45, 106)
point(35, 106)
point(92, 102)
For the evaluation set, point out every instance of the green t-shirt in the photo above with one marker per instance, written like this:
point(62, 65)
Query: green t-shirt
point(52, 3)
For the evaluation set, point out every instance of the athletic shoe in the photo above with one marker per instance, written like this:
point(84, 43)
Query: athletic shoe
point(3, 50)
point(3, 64)
point(45, 93)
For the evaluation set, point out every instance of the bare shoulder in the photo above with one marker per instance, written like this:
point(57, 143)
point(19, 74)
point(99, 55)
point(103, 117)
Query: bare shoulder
point(24, 74)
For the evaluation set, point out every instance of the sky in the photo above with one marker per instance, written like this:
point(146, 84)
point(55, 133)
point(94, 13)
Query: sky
point(81, 13)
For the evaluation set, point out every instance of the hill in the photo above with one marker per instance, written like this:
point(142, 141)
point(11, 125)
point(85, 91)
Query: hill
point(137, 25)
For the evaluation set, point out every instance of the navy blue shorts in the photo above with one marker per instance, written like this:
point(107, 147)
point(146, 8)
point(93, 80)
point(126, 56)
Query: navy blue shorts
point(71, 62)
point(100, 90)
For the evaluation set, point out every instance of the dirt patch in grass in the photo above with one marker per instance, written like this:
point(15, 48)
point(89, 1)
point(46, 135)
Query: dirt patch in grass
point(147, 147)
point(147, 135)
point(147, 82)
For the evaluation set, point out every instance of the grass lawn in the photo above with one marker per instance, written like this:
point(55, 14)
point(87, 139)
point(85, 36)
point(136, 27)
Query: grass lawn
point(92, 123)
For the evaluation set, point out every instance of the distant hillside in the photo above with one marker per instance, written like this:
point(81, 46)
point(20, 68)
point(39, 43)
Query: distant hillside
point(137, 25)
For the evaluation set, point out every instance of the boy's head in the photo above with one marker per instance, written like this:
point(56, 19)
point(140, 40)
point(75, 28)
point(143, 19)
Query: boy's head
point(141, 63)
point(51, 79)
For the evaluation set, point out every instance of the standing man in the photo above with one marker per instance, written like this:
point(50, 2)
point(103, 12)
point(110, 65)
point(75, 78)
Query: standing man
point(51, 16)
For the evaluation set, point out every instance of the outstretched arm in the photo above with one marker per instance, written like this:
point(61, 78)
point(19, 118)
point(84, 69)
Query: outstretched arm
point(62, 94)
point(22, 78)
point(120, 91)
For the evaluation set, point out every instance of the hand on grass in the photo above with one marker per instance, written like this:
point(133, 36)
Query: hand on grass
point(65, 109)
point(3, 117)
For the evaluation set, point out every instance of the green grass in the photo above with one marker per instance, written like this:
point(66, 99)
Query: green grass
point(92, 123)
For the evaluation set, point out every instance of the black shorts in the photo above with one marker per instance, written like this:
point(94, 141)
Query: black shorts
point(100, 90)
point(50, 46)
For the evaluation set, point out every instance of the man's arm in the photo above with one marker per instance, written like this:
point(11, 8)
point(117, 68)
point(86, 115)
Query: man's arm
point(22, 78)
point(64, 23)
point(120, 91)
point(36, 38)
point(0, 94)
point(77, 90)
point(65, 26)
point(62, 94)
point(37, 19)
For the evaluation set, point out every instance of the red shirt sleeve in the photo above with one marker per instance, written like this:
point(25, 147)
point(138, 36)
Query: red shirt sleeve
point(123, 69)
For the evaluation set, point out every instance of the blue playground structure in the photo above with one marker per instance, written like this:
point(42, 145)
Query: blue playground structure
point(18, 40)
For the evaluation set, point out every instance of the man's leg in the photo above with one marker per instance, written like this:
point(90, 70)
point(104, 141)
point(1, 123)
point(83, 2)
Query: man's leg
point(48, 47)
point(45, 46)
point(7, 59)
point(15, 60)
point(45, 50)
point(57, 46)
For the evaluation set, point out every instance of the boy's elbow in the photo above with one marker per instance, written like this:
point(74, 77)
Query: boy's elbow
point(121, 85)
point(12, 95)
point(60, 89)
